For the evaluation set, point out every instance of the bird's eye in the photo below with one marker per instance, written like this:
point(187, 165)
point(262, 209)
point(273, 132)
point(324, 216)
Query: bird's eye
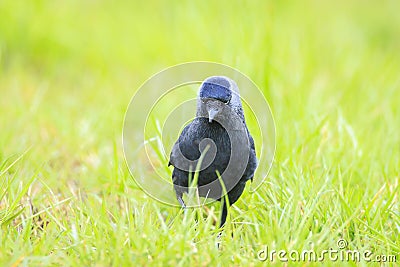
point(227, 103)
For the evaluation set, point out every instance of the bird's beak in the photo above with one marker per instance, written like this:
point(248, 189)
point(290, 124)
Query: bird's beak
point(211, 114)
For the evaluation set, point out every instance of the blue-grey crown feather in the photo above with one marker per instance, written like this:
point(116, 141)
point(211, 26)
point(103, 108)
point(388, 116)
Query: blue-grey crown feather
point(216, 88)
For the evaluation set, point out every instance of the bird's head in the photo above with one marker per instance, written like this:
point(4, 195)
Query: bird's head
point(218, 96)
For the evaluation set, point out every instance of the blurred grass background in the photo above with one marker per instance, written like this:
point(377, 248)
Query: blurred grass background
point(68, 69)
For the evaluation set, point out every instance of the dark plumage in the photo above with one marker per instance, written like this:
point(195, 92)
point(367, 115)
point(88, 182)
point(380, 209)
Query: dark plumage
point(219, 120)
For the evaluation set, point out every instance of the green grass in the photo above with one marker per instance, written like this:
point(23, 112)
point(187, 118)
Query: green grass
point(68, 69)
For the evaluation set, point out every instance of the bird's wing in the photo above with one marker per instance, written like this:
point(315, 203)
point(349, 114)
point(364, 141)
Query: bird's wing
point(252, 146)
point(175, 148)
point(253, 156)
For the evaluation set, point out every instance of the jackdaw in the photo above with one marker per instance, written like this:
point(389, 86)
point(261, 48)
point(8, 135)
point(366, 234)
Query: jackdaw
point(216, 144)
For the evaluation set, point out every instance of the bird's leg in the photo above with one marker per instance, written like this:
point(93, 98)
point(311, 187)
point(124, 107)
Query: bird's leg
point(180, 200)
point(224, 213)
point(223, 220)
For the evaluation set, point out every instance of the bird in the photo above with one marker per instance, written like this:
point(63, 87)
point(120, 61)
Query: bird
point(217, 144)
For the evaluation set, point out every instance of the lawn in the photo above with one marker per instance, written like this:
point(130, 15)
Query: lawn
point(68, 69)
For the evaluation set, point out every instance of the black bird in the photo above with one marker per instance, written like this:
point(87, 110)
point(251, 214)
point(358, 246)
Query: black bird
point(220, 136)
